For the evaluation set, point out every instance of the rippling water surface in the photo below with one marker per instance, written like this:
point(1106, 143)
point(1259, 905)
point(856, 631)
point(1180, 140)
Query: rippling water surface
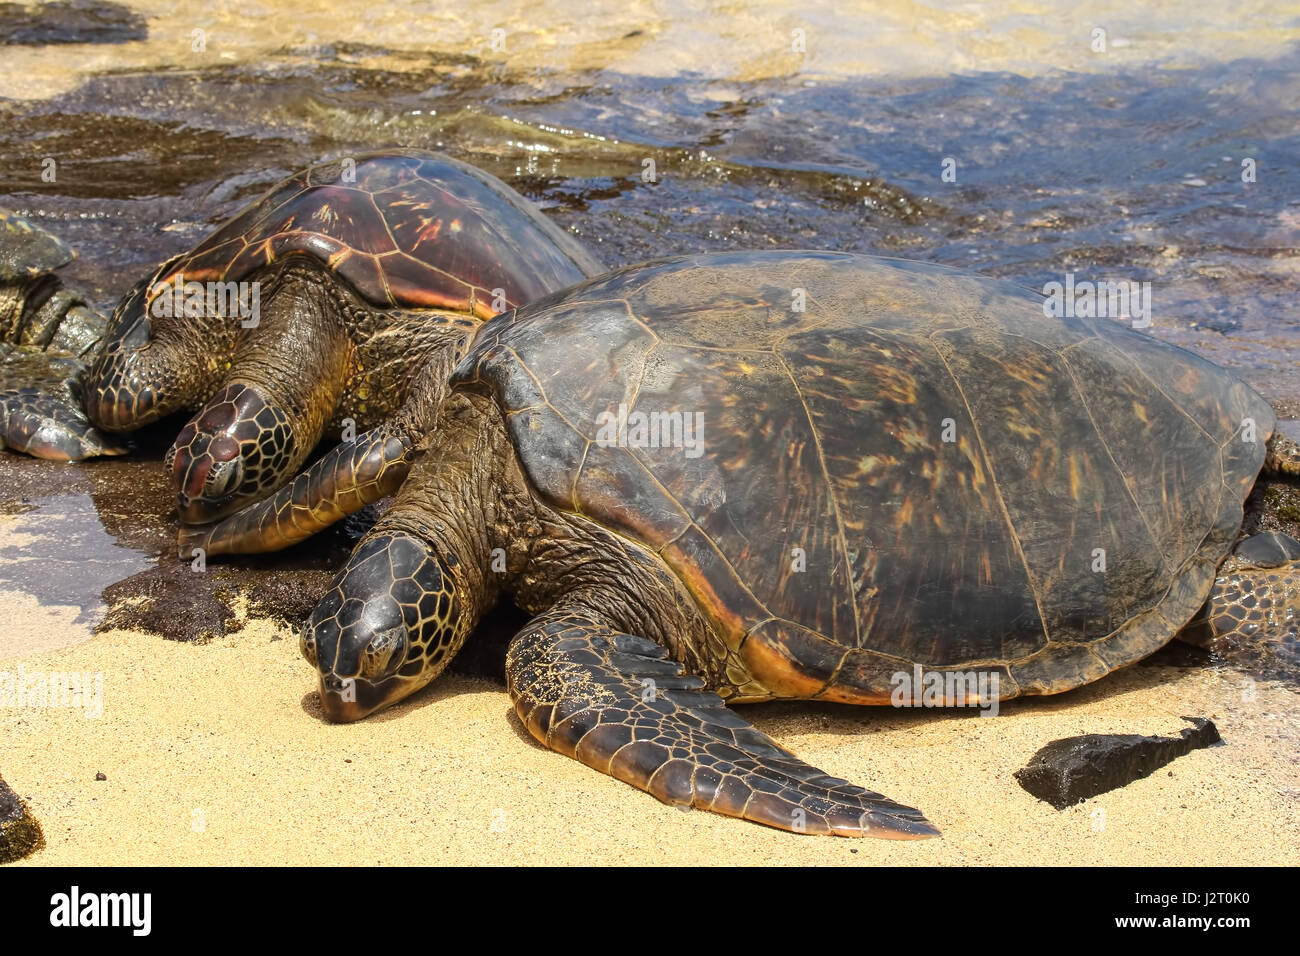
point(1161, 149)
point(774, 124)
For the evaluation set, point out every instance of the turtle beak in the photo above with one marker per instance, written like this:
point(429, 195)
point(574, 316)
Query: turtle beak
point(347, 699)
point(387, 627)
point(369, 680)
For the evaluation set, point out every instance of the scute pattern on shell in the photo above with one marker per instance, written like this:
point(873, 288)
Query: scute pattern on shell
point(383, 230)
point(948, 462)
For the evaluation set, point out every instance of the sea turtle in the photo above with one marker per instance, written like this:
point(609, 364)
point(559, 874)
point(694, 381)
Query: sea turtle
point(46, 333)
point(317, 310)
point(912, 489)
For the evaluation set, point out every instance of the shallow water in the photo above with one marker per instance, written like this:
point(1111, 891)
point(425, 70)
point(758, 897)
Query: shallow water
point(63, 555)
point(1123, 164)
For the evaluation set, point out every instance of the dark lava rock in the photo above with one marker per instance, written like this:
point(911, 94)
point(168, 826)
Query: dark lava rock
point(1069, 771)
point(20, 834)
point(69, 21)
point(172, 601)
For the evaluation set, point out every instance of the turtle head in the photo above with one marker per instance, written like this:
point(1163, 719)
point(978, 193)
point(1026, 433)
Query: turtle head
point(238, 449)
point(141, 374)
point(390, 624)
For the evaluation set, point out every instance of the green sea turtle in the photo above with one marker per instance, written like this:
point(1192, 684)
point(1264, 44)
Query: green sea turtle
point(915, 490)
point(46, 333)
point(316, 310)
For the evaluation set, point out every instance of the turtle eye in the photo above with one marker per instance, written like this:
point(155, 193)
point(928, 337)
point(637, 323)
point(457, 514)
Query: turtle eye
point(224, 478)
point(138, 335)
point(384, 654)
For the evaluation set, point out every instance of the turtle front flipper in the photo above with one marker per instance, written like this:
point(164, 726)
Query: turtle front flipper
point(46, 332)
point(616, 703)
point(36, 423)
point(41, 405)
point(351, 476)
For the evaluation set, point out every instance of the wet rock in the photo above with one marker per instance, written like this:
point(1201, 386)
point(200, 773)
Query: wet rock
point(1268, 549)
point(169, 600)
point(177, 602)
point(1071, 770)
point(69, 21)
point(20, 834)
point(1273, 505)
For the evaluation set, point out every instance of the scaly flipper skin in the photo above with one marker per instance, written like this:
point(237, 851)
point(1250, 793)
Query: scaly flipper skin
point(1254, 609)
point(1261, 601)
point(351, 476)
point(33, 422)
point(45, 331)
point(618, 704)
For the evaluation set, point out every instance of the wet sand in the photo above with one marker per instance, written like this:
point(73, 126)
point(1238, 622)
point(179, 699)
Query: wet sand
point(217, 754)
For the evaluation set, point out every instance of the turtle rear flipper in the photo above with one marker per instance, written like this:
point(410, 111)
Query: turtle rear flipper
point(41, 425)
point(616, 703)
point(1253, 614)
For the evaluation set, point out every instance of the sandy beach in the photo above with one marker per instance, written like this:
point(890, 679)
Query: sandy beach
point(217, 754)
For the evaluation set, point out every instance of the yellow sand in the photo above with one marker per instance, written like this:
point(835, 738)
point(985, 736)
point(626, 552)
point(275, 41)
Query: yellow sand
point(218, 754)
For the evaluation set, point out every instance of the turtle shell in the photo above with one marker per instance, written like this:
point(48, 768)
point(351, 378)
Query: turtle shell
point(918, 468)
point(406, 229)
